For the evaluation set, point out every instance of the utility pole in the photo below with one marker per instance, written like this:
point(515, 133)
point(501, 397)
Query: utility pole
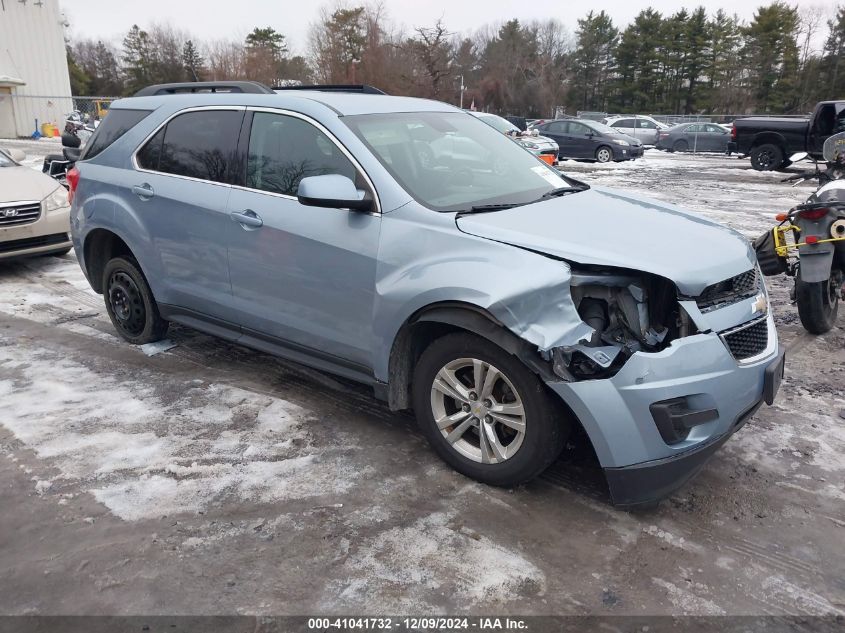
point(463, 87)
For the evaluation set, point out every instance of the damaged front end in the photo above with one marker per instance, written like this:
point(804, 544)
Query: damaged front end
point(628, 312)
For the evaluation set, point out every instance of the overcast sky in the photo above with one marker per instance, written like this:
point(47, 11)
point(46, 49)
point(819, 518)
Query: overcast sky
point(235, 18)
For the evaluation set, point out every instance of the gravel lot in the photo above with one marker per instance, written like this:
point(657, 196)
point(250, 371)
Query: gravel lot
point(213, 479)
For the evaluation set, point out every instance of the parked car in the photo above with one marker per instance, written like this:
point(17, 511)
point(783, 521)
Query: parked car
point(698, 137)
point(544, 148)
point(495, 304)
point(642, 128)
point(769, 141)
point(579, 138)
point(34, 210)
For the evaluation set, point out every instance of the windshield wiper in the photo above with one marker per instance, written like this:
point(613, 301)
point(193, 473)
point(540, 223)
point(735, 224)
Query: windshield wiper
point(487, 208)
point(562, 191)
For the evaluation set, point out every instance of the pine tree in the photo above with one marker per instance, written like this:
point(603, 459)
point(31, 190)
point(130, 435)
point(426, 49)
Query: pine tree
point(593, 58)
point(772, 50)
point(192, 61)
point(138, 59)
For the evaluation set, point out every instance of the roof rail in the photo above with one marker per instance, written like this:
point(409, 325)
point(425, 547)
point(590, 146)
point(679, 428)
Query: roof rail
point(252, 87)
point(362, 88)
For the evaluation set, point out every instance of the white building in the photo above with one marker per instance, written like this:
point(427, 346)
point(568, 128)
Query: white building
point(34, 80)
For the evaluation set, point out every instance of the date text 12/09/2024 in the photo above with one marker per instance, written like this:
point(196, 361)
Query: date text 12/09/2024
point(416, 624)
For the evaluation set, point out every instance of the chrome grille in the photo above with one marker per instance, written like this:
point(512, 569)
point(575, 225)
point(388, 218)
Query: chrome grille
point(19, 213)
point(747, 340)
point(743, 286)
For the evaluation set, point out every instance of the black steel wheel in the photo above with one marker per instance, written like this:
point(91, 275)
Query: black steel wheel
point(130, 303)
point(766, 157)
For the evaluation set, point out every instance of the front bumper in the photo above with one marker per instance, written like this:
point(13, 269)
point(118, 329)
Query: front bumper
point(48, 234)
point(616, 413)
point(627, 153)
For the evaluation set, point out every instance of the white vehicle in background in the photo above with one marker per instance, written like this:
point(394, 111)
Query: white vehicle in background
point(34, 210)
point(641, 127)
point(542, 147)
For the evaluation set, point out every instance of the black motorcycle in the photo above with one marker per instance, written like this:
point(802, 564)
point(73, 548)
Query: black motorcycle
point(57, 165)
point(815, 233)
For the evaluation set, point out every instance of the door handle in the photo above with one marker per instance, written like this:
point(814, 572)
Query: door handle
point(247, 218)
point(144, 191)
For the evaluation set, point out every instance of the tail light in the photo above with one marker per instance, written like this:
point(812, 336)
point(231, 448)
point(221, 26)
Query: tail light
point(73, 182)
point(663, 135)
point(813, 214)
point(733, 132)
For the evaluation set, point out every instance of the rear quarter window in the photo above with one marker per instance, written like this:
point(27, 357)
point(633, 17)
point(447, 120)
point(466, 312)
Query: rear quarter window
point(116, 123)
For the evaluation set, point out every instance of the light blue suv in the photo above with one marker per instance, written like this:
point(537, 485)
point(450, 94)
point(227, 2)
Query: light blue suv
point(501, 300)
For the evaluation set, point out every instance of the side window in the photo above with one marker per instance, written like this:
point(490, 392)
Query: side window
point(714, 129)
point(577, 129)
point(558, 127)
point(624, 123)
point(117, 123)
point(284, 149)
point(645, 124)
point(695, 128)
point(149, 156)
point(199, 145)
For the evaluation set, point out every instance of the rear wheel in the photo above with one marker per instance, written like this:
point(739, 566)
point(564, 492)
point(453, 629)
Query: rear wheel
point(680, 146)
point(484, 412)
point(766, 157)
point(818, 303)
point(604, 154)
point(130, 303)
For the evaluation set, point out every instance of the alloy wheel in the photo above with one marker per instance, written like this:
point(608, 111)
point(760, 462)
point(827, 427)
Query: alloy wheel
point(478, 410)
point(603, 155)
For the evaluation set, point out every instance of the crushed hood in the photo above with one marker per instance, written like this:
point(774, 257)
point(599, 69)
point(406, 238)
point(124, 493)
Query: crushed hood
point(604, 227)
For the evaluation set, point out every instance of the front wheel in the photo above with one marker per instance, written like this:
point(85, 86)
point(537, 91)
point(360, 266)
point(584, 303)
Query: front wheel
point(818, 303)
point(130, 303)
point(604, 154)
point(484, 412)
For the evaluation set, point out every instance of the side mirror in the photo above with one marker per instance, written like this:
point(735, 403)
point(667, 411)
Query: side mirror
point(16, 155)
point(799, 156)
point(332, 191)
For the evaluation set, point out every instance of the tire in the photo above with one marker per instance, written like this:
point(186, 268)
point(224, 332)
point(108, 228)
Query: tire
point(604, 154)
point(680, 146)
point(130, 303)
point(818, 303)
point(514, 456)
point(766, 157)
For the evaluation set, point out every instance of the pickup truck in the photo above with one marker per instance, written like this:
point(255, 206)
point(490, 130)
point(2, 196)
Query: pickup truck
point(769, 141)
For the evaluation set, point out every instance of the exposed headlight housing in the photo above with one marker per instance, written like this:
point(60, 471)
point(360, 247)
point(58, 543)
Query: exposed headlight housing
point(56, 200)
point(530, 145)
point(620, 141)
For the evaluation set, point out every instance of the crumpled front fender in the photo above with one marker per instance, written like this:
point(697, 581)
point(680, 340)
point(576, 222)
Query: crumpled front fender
point(427, 261)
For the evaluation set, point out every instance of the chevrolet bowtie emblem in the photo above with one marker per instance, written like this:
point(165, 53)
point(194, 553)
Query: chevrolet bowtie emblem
point(760, 305)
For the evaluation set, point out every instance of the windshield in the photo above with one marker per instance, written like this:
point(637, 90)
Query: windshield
point(498, 123)
point(5, 161)
point(451, 161)
point(599, 127)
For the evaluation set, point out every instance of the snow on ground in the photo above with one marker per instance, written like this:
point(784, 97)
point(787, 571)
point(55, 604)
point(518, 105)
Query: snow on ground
point(144, 455)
